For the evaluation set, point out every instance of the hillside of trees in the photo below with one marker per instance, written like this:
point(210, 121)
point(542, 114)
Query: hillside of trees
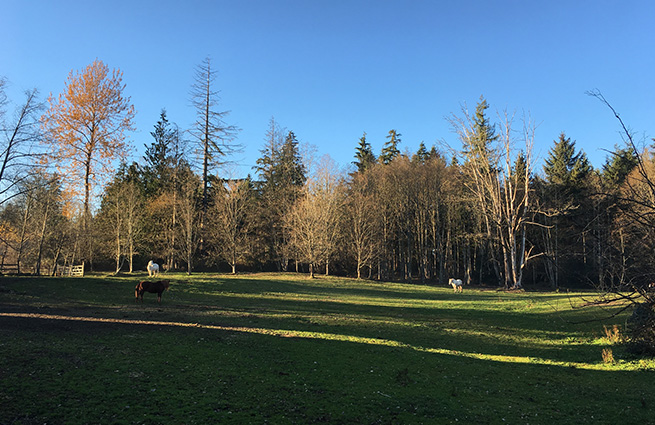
point(484, 213)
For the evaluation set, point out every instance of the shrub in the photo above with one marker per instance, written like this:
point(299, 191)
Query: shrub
point(640, 330)
point(613, 334)
point(608, 355)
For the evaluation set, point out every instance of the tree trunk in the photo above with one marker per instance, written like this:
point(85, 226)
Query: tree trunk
point(118, 252)
point(39, 255)
point(359, 265)
point(23, 233)
point(131, 256)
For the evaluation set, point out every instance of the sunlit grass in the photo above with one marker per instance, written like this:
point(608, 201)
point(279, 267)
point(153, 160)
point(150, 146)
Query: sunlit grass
point(320, 335)
point(432, 318)
point(282, 348)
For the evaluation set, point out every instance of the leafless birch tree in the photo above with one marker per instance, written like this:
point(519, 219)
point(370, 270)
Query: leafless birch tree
point(314, 221)
point(362, 222)
point(229, 219)
point(500, 181)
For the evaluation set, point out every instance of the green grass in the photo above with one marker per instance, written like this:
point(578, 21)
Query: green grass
point(283, 349)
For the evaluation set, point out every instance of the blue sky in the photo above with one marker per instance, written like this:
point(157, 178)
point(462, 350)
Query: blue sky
point(331, 70)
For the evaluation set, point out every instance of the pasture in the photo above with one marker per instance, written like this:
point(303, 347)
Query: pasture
point(284, 349)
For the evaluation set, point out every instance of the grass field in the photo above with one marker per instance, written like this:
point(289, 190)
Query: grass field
point(283, 349)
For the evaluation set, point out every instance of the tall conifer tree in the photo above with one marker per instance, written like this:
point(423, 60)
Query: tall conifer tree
point(364, 156)
point(564, 167)
point(390, 150)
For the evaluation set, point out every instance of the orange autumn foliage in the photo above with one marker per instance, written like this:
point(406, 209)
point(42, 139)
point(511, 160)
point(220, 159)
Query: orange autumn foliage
point(85, 127)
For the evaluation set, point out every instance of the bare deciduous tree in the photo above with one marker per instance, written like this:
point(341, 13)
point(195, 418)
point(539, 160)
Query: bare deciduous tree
point(313, 222)
point(636, 199)
point(213, 136)
point(229, 220)
point(363, 222)
point(189, 217)
point(19, 135)
point(304, 225)
point(500, 181)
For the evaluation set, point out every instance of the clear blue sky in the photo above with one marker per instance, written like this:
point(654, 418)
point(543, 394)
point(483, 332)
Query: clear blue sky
point(330, 70)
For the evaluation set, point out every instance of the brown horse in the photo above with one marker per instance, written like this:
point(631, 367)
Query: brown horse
point(145, 286)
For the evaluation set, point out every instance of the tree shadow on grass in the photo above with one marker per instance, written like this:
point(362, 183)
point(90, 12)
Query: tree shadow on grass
point(90, 370)
point(431, 319)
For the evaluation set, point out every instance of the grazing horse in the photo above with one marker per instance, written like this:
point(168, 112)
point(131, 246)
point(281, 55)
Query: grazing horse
point(146, 286)
point(456, 284)
point(153, 268)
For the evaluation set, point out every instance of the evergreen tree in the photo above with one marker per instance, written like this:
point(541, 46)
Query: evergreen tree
point(564, 167)
point(280, 164)
point(270, 153)
point(160, 157)
point(283, 175)
point(433, 154)
point(165, 166)
point(520, 171)
point(364, 155)
point(484, 132)
point(619, 165)
point(290, 171)
point(390, 150)
point(566, 174)
point(421, 154)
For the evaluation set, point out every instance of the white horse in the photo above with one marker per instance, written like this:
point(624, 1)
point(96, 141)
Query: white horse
point(456, 284)
point(153, 268)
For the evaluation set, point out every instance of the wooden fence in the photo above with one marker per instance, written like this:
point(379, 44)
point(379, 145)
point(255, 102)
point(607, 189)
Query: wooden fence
point(8, 268)
point(71, 270)
point(61, 270)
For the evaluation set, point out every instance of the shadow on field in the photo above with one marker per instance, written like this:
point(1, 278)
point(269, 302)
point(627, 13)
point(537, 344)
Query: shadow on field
point(481, 325)
point(73, 369)
point(491, 349)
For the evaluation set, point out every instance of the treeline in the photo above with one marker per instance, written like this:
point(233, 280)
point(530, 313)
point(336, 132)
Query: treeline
point(482, 213)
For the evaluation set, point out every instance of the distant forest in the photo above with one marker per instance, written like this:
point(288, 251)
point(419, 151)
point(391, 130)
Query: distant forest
point(482, 213)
